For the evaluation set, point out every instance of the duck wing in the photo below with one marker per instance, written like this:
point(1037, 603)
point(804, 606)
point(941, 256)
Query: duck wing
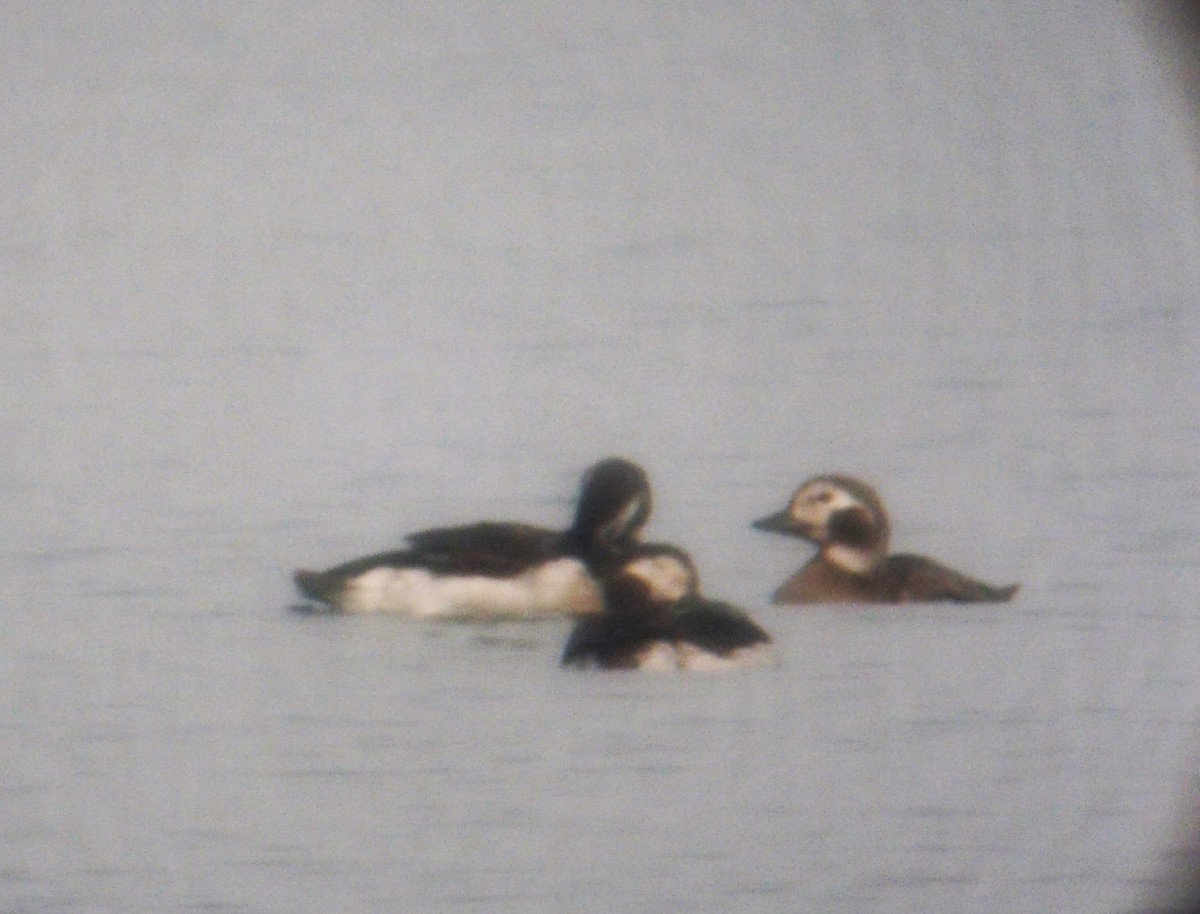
point(489, 548)
point(610, 641)
point(915, 578)
point(715, 626)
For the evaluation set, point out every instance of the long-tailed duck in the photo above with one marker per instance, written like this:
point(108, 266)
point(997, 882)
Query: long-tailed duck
point(846, 520)
point(655, 619)
point(497, 569)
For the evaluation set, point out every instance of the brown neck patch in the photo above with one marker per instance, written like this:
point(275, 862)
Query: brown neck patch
point(856, 527)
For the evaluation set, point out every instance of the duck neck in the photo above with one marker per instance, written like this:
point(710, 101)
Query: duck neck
point(854, 559)
point(857, 539)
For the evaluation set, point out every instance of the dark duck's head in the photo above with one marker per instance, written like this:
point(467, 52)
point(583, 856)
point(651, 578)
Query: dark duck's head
point(614, 504)
point(842, 515)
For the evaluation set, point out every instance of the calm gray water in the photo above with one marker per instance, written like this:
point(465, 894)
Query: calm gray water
point(283, 282)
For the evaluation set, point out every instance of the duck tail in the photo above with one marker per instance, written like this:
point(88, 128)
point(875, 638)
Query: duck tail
point(311, 584)
point(1001, 594)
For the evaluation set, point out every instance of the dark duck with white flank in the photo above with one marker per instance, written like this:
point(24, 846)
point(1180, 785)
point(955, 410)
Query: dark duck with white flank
point(654, 618)
point(845, 518)
point(498, 569)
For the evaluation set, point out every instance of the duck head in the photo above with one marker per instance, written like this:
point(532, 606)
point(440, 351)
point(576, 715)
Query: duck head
point(650, 578)
point(614, 504)
point(842, 515)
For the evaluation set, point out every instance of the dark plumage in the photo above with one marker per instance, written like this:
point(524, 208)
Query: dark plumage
point(498, 568)
point(655, 618)
point(846, 520)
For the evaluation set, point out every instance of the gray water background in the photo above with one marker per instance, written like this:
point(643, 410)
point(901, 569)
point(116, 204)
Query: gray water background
point(283, 282)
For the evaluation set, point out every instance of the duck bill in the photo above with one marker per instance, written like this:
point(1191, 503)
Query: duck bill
point(779, 522)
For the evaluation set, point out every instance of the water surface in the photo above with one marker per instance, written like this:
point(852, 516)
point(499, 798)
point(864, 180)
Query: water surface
point(282, 285)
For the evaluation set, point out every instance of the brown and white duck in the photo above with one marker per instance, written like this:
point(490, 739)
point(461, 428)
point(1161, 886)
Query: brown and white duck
point(845, 518)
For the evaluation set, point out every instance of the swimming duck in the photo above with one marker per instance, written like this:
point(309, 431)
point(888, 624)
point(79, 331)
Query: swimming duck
point(655, 619)
point(846, 520)
point(498, 569)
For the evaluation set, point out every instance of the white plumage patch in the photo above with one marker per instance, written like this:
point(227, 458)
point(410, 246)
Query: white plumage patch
point(619, 525)
point(691, 657)
point(561, 587)
point(856, 561)
point(658, 657)
point(662, 656)
point(667, 578)
point(816, 502)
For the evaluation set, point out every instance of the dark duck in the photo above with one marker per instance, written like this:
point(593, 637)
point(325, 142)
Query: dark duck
point(654, 618)
point(495, 569)
point(845, 518)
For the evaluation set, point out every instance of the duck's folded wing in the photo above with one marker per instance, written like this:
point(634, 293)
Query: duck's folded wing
point(915, 578)
point(716, 627)
point(486, 548)
point(609, 641)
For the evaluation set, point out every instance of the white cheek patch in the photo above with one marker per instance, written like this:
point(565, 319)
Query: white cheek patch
point(806, 508)
point(619, 525)
point(668, 579)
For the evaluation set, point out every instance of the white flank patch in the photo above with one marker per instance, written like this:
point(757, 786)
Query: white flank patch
point(662, 657)
point(691, 657)
point(658, 657)
point(561, 587)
